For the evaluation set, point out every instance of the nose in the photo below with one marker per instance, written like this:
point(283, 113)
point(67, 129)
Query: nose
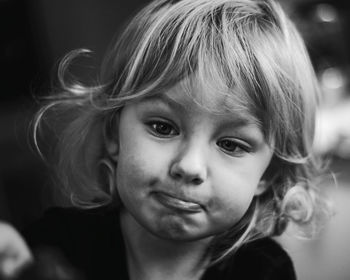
point(189, 165)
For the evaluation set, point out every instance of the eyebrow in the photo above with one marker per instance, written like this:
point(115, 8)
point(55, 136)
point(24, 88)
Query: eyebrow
point(165, 100)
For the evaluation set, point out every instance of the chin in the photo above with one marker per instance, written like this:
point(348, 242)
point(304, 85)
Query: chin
point(175, 230)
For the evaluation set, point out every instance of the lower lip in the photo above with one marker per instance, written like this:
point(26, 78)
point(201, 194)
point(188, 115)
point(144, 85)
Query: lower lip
point(177, 204)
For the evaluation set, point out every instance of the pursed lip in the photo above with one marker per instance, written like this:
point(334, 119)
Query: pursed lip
point(178, 203)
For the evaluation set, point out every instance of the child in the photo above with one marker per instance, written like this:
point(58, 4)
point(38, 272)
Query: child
point(192, 152)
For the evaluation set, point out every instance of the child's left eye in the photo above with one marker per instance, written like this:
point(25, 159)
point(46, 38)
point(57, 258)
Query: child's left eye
point(163, 128)
point(233, 147)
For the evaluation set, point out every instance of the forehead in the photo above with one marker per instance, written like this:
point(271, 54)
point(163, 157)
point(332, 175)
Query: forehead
point(193, 96)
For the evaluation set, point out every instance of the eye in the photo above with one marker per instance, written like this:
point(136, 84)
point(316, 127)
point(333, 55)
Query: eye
point(163, 128)
point(233, 147)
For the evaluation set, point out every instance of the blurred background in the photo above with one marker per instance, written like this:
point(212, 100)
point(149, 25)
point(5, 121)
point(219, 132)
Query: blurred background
point(34, 35)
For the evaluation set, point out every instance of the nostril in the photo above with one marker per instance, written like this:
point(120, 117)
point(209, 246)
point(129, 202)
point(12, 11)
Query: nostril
point(190, 179)
point(197, 181)
point(176, 175)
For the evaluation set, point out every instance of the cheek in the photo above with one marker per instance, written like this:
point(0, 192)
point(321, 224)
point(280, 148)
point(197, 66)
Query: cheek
point(233, 192)
point(233, 200)
point(229, 208)
point(140, 154)
point(130, 171)
point(138, 167)
point(237, 182)
point(135, 166)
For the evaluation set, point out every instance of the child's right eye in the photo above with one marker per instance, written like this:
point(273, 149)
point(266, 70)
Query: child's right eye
point(162, 128)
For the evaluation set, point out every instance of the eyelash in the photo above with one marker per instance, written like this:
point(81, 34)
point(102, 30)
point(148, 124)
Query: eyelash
point(172, 130)
point(242, 147)
point(157, 124)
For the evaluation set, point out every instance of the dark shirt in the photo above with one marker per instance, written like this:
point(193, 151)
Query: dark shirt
point(91, 241)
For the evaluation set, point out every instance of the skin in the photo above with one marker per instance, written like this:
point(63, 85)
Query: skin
point(184, 174)
point(14, 252)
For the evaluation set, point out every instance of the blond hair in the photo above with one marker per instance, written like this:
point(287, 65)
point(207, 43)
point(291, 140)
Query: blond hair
point(248, 51)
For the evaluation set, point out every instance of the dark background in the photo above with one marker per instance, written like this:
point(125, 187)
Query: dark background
point(35, 34)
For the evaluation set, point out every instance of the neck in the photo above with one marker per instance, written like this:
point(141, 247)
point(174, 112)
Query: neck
point(151, 257)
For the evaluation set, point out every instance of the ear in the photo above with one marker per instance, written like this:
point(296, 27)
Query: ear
point(112, 149)
point(111, 137)
point(262, 187)
point(269, 173)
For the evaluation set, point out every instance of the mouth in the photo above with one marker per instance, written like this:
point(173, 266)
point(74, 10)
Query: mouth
point(177, 203)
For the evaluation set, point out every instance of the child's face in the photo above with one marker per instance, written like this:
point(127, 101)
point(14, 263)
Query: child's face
point(184, 173)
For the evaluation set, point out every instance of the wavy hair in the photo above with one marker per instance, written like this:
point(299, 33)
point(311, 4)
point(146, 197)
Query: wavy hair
point(248, 51)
